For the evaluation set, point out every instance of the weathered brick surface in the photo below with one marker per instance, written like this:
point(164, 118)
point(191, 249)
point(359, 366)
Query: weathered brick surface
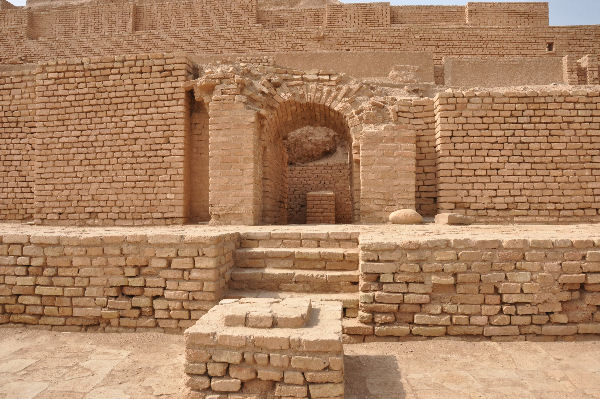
point(113, 282)
point(320, 207)
point(266, 360)
point(17, 91)
point(490, 287)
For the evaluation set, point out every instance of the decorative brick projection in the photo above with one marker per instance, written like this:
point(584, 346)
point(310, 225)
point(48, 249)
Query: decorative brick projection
point(291, 18)
point(508, 14)
point(387, 172)
point(357, 15)
point(303, 179)
point(432, 15)
point(17, 92)
point(522, 156)
point(418, 114)
point(492, 287)
point(110, 138)
point(320, 207)
point(74, 282)
point(80, 20)
point(172, 15)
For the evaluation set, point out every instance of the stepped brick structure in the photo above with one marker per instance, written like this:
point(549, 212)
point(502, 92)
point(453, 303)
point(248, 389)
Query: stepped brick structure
point(168, 112)
point(155, 153)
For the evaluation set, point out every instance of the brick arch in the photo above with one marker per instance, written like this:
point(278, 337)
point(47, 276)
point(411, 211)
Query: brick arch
point(284, 187)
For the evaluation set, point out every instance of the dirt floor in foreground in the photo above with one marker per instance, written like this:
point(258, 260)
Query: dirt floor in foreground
point(42, 364)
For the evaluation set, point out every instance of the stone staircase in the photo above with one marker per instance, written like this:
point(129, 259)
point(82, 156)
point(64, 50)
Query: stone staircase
point(315, 265)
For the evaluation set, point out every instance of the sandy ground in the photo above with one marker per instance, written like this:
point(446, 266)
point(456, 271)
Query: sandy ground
point(41, 364)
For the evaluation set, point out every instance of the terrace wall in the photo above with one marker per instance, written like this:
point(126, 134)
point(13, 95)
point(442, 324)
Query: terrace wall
point(520, 156)
point(498, 288)
point(111, 282)
point(235, 26)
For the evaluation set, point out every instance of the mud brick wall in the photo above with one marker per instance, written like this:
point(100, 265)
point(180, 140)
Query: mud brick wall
point(320, 207)
point(357, 15)
point(17, 93)
point(5, 5)
point(522, 156)
point(418, 114)
point(71, 282)
point(434, 15)
point(387, 172)
point(495, 72)
point(110, 137)
point(210, 26)
point(508, 14)
point(84, 19)
point(492, 287)
point(590, 64)
point(291, 18)
point(303, 179)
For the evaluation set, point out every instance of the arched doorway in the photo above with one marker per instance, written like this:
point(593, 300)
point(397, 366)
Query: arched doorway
point(306, 148)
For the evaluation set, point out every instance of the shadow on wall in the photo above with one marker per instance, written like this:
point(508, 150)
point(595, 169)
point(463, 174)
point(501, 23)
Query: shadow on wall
point(372, 377)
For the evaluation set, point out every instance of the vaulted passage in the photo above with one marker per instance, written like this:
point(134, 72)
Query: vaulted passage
point(306, 150)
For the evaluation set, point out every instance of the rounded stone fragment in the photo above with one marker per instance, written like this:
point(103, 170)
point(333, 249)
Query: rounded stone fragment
point(406, 216)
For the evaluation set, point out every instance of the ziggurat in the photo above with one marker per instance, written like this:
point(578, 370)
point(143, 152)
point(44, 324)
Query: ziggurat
point(215, 124)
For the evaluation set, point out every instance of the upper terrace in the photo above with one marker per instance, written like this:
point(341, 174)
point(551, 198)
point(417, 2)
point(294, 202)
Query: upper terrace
point(48, 18)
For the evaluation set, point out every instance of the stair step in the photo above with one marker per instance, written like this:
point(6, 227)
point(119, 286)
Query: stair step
point(349, 300)
point(298, 258)
point(304, 239)
point(273, 279)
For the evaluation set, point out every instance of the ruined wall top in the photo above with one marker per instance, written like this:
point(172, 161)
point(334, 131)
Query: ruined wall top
point(333, 13)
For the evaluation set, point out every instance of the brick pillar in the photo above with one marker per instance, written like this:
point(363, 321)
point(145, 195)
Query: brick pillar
point(234, 172)
point(591, 66)
point(570, 70)
point(387, 172)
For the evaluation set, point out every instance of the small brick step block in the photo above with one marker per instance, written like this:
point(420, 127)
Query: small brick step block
point(349, 300)
point(272, 279)
point(299, 239)
point(298, 258)
point(320, 207)
point(227, 357)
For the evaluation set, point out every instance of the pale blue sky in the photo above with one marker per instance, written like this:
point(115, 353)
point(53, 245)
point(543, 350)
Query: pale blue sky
point(562, 12)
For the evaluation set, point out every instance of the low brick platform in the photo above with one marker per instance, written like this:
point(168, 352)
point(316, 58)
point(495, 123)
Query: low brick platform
point(257, 348)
